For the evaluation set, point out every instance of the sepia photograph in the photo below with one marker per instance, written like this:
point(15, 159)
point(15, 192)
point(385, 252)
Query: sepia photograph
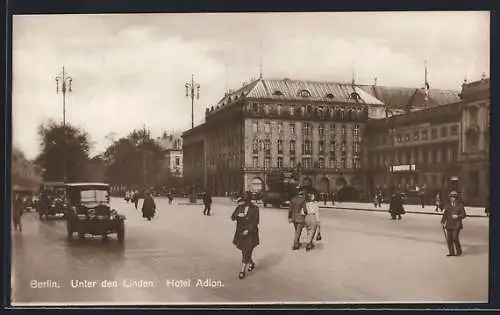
point(250, 158)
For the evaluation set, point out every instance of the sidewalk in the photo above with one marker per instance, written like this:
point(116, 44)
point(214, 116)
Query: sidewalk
point(428, 209)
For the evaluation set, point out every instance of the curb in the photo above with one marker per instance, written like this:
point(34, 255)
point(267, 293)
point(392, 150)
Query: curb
point(387, 211)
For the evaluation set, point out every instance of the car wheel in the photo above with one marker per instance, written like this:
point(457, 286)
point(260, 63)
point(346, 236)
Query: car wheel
point(69, 230)
point(121, 233)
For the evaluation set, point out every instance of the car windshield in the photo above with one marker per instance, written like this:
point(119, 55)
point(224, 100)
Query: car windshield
point(92, 196)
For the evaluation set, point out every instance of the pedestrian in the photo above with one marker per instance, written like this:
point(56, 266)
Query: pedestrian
point(148, 206)
point(135, 198)
point(170, 197)
point(422, 198)
point(311, 219)
point(246, 236)
point(451, 221)
point(396, 207)
point(18, 208)
point(296, 215)
point(375, 200)
point(207, 203)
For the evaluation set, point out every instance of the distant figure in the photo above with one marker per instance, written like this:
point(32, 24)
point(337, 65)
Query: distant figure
point(207, 202)
point(379, 199)
point(422, 197)
point(135, 198)
point(453, 215)
point(148, 206)
point(170, 197)
point(246, 236)
point(296, 215)
point(396, 208)
point(17, 207)
point(438, 202)
point(127, 196)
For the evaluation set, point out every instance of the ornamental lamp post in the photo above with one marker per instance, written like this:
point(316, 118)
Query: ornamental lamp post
point(63, 83)
point(190, 92)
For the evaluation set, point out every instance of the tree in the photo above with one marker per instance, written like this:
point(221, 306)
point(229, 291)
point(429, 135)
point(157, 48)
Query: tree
point(134, 160)
point(59, 144)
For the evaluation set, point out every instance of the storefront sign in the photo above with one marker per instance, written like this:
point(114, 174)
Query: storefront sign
point(403, 168)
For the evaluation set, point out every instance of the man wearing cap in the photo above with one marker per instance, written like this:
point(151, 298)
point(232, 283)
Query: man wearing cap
point(453, 215)
point(296, 215)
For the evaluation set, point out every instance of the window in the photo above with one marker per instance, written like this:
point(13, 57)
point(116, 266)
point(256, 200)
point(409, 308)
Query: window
point(321, 129)
point(255, 107)
point(356, 147)
point(267, 127)
point(343, 147)
point(266, 109)
point(444, 131)
point(332, 147)
point(407, 137)
point(307, 147)
point(307, 129)
point(292, 147)
point(343, 162)
point(291, 109)
point(280, 127)
point(454, 130)
point(177, 161)
point(332, 130)
point(321, 163)
point(255, 126)
point(434, 133)
point(399, 138)
point(278, 109)
point(356, 131)
point(292, 162)
point(307, 163)
point(255, 146)
point(267, 147)
point(333, 162)
point(255, 162)
point(280, 146)
point(424, 135)
point(356, 162)
point(321, 147)
point(280, 162)
point(343, 131)
point(473, 115)
point(267, 162)
point(292, 129)
point(304, 93)
point(416, 135)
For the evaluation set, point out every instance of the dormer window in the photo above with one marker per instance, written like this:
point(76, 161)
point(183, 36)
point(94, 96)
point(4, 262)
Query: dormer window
point(330, 96)
point(277, 93)
point(304, 93)
point(355, 96)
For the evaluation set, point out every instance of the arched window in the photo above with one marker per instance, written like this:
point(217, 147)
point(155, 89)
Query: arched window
point(277, 93)
point(330, 96)
point(304, 93)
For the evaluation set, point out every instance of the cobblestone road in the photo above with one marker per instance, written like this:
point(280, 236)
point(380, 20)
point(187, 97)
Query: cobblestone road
point(365, 257)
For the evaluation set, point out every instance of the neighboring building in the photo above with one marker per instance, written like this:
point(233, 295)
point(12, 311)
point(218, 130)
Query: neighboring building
point(475, 146)
point(172, 148)
point(440, 148)
point(24, 173)
point(311, 130)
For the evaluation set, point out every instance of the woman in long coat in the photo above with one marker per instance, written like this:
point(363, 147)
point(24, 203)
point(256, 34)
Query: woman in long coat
point(246, 236)
point(396, 206)
point(148, 207)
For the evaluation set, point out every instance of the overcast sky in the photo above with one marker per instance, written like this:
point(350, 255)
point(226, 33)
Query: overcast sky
point(130, 70)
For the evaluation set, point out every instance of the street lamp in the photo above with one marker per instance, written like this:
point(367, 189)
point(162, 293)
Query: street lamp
point(190, 92)
point(63, 83)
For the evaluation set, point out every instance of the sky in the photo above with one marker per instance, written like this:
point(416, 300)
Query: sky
point(129, 70)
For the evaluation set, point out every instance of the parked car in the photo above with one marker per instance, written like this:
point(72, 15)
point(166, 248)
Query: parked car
point(90, 212)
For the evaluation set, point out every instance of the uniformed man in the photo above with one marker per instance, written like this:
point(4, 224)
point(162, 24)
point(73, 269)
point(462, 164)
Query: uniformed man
point(296, 215)
point(454, 213)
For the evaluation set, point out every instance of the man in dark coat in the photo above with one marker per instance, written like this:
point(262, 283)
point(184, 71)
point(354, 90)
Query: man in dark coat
point(18, 209)
point(396, 208)
point(246, 236)
point(207, 202)
point(454, 213)
point(148, 206)
point(296, 215)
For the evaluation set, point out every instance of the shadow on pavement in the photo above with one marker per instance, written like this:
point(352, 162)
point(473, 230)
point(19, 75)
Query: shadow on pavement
point(475, 250)
point(270, 260)
point(96, 242)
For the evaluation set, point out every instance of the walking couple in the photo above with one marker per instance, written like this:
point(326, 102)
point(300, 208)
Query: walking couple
point(304, 213)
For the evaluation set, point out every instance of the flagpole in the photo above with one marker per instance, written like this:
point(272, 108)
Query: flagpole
point(426, 85)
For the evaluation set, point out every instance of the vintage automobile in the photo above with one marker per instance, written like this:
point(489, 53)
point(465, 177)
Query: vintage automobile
point(90, 212)
point(52, 200)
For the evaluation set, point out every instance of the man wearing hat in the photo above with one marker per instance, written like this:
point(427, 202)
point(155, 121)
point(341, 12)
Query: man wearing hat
point(453, 215)
point(296, 215)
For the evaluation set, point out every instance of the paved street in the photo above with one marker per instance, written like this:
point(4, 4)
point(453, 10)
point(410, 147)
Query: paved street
point(365, 257)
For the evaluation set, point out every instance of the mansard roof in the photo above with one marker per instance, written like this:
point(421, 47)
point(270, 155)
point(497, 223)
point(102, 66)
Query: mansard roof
point(476, 89)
